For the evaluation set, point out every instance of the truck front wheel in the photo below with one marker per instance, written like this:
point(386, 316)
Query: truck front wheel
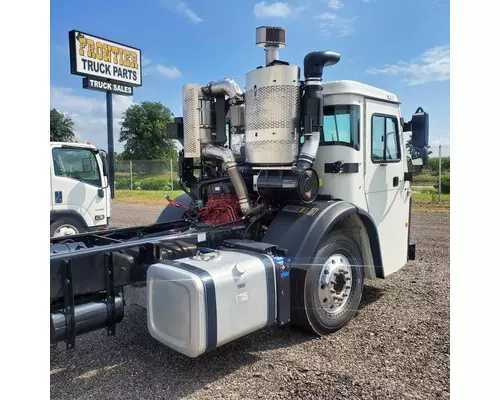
point(66, 227)
point(332, 286)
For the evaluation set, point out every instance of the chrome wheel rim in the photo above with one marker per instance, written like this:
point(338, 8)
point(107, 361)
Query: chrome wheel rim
point(335, 283)
point(65, 230)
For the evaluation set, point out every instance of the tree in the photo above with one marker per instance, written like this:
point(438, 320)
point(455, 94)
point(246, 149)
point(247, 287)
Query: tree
point(61, 127)
point(408, 143)
point(143, 129)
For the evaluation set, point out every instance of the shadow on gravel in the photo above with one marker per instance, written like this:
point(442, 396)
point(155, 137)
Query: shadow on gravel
point(371, 294)
point(134, 365)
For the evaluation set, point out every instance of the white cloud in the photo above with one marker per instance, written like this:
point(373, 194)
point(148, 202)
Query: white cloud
point(431, 66)
point(335, 4)
point(146, 61)
point(171, 72)
point(89, 115)
point(335, 24)
point(277, 10)
point(184, 9)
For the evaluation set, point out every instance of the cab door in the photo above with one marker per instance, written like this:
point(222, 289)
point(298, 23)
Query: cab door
point(387, 193)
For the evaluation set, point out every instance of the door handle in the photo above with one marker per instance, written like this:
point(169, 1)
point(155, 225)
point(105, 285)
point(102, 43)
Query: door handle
point(395, 181)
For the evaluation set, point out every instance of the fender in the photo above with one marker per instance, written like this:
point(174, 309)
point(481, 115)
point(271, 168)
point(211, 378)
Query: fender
point(300, 229)
point(171, 213)
point(55, 215)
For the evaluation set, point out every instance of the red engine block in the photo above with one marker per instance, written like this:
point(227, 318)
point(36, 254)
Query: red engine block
point(220, 209)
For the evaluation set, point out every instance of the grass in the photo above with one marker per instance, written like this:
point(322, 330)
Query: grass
point(148, 197)
point(425, 199)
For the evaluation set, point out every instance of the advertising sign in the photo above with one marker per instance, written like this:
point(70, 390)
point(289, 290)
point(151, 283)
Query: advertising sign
point(98, 58)
point(103, 86)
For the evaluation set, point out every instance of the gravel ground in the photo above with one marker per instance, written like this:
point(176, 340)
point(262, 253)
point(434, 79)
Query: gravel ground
point(397, 346)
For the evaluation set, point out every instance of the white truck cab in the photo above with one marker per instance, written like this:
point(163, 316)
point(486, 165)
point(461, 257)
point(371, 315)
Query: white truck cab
point(362, 152)
point(80, 199)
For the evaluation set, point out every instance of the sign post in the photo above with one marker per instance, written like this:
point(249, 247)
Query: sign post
point(111, 144)
point(109, 67)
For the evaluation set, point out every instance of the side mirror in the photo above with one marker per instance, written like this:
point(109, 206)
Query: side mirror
point(175, 130)
point(419, 128)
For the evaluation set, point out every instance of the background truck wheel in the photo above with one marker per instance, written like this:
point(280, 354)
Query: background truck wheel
point(65, 227)
point(331, 288)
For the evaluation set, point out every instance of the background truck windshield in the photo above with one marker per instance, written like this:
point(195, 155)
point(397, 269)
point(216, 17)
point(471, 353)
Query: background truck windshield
point(79, 164)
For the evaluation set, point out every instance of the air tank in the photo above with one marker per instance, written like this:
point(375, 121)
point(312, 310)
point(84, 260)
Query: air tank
point(272, 106)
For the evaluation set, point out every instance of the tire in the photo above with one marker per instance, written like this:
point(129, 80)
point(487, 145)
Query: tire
point(66, 225)
point(320, 310)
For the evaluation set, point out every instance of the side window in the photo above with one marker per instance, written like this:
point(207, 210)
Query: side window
point(385, 139)
point(79, 164)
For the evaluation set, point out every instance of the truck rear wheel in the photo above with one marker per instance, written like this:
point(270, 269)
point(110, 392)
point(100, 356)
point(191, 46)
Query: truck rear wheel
point(332, 287)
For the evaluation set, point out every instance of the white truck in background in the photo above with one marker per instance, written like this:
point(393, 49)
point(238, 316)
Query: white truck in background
point(80, 198)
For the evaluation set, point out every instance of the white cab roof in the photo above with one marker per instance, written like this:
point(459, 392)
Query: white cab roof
point(82, 145)
point(353, 87)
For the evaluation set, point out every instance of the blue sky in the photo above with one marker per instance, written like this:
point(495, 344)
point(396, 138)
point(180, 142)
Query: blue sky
point(399, 45)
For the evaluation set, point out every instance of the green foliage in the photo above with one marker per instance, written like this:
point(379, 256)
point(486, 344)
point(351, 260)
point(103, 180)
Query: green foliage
point(433, 165)
point(143, 129)
point(408, 143)
point(153, 184)
point(119, 157)
point(150, 183)
point(61, 127)
point(445, 184)
point(424, 178)
point(122, 183)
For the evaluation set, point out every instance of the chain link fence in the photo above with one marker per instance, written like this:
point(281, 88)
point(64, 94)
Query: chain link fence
point(433, 178)
point(146, 175)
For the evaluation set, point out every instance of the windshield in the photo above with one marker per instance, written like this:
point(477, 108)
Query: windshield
point(341, 126)
point(79, 164)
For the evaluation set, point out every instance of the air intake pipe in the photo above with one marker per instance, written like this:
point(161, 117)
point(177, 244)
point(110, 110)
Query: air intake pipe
point(226, 86)
point(312, 104)
point(220, 89)
point(230, 165)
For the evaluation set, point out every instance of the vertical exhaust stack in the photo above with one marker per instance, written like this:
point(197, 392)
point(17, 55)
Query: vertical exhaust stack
point(272, 38)
point(312, 104)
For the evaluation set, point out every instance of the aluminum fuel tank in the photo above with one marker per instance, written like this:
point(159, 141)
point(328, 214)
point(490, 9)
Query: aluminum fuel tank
point(199, 303)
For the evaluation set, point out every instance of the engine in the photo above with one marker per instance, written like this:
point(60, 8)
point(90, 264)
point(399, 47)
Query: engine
point(258, 147)
point(221, 206)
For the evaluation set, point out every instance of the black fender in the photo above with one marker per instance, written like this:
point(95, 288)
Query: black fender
point(58, 215)
point(171, 213)
point(300, 229)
